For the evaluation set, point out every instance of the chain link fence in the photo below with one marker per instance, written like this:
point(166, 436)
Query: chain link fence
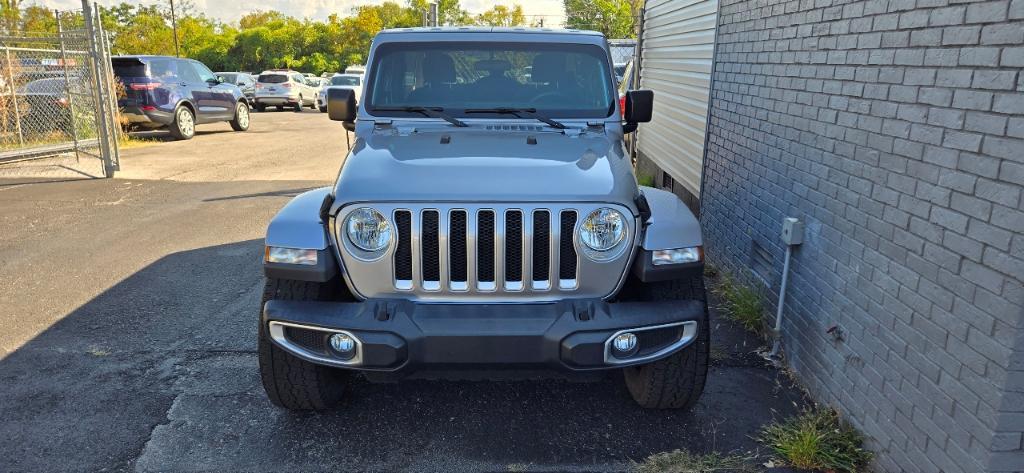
point(56, 95)
point(622, 50)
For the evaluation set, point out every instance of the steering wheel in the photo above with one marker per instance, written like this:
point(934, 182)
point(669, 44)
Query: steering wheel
point(545, 95)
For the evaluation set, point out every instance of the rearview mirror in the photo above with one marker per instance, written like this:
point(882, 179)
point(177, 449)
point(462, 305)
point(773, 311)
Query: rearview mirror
point(639, 107)
point(341, 107)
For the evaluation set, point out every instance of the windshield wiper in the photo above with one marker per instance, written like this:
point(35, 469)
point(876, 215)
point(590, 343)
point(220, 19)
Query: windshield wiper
point(519, 113)
point(432, 112)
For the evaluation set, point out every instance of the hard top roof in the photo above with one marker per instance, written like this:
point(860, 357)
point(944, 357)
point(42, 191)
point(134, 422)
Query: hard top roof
point(489, 29)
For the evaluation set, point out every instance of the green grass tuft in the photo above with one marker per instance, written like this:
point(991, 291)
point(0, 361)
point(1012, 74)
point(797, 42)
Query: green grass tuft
point(817, 440)
point(741, 304)
point(679, 461)
point(645, 180)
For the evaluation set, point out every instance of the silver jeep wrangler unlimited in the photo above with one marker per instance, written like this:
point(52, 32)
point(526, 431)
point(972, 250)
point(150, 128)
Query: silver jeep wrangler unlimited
point(487, 222)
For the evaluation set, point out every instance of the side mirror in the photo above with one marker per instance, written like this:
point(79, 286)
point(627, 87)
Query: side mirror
point(214, 81)
point(341, 106)
point(639, 107)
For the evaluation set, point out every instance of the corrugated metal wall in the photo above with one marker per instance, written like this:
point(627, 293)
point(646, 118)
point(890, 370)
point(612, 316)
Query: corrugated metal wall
point(677, 49)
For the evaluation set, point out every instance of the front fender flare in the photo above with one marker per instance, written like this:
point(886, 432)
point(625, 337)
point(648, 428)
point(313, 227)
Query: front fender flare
point(671, 225)
point(299, 225)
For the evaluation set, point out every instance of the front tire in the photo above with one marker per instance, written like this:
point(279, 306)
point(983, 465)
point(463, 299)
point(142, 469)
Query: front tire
point(184, 125)
point(241, 120)
point(291, 382)
point(677, 381)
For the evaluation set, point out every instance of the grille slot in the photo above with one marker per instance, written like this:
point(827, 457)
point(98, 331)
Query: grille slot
point(541, 248)
point(431, 247)
point(457, 247)
point(567, 252)
point(514, 248)
point(403, 251)
point(485, 247)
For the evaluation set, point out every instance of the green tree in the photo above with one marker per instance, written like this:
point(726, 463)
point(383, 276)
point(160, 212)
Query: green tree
point(261, 39)
point(37, 19)
point(450, 13)
point(614, 18)
point(500, 15)
point(10, 15)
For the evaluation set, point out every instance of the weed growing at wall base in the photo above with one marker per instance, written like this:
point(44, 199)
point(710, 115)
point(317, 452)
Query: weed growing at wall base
point(740, 303)
point(679, 461)
point(817, 440)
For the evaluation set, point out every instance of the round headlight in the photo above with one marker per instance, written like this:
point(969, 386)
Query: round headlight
point(368, 230)
point(603, 229)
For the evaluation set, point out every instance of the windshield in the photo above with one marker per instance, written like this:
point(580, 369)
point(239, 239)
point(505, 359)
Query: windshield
point(344, 80)
point(273, 78)
point(558, 80)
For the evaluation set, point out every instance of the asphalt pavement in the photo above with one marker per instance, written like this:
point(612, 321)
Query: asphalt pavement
point(129, 311)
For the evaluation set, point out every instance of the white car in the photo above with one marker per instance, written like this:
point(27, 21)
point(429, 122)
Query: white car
point(284, 88)
point(340, 81)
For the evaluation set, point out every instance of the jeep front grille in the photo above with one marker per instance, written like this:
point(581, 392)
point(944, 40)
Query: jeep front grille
point(484, 253)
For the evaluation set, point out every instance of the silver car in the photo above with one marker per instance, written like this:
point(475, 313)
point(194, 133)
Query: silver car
point(282, 88)
point(485, 222)
point(353, 82)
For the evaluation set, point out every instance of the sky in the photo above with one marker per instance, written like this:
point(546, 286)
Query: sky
point(232, 10)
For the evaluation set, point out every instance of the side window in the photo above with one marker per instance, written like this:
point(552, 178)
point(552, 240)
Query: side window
point(162, 69)
point(202, 71)
point(186, 72)
point(299, 78)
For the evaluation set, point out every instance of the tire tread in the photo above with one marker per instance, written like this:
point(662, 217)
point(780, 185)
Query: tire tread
point(292, 382)
point(677, 381)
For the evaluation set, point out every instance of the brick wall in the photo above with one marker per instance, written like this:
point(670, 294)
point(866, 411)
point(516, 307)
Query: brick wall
point(895, 130)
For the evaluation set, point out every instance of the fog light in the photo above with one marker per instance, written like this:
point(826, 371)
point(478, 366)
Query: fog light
point(343, 345)
point(624, 345)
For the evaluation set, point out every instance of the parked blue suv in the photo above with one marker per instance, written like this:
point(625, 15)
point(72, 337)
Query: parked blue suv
point(177, 93)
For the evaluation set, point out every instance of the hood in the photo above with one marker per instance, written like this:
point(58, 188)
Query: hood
point(483, 165)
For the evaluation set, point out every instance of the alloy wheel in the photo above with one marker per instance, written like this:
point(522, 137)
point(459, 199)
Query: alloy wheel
point(186, 124)
point(242, 113)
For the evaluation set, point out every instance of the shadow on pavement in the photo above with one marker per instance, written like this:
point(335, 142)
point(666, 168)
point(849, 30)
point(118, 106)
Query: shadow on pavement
point(278, 193)
point(159, 372)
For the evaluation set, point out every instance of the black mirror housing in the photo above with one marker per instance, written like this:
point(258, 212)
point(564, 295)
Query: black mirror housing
point(639, 106)
point(341, 105)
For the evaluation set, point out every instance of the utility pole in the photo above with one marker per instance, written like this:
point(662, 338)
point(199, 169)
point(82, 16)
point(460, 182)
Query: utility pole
point(433, 14)
point(174, 29)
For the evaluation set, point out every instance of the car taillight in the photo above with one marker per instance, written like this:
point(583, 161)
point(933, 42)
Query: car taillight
point(287, 85)
point(144, 86)
point(259, 85)
point(622, 106)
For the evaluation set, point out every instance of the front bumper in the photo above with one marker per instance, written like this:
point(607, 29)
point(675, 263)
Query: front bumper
point(404, 336)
